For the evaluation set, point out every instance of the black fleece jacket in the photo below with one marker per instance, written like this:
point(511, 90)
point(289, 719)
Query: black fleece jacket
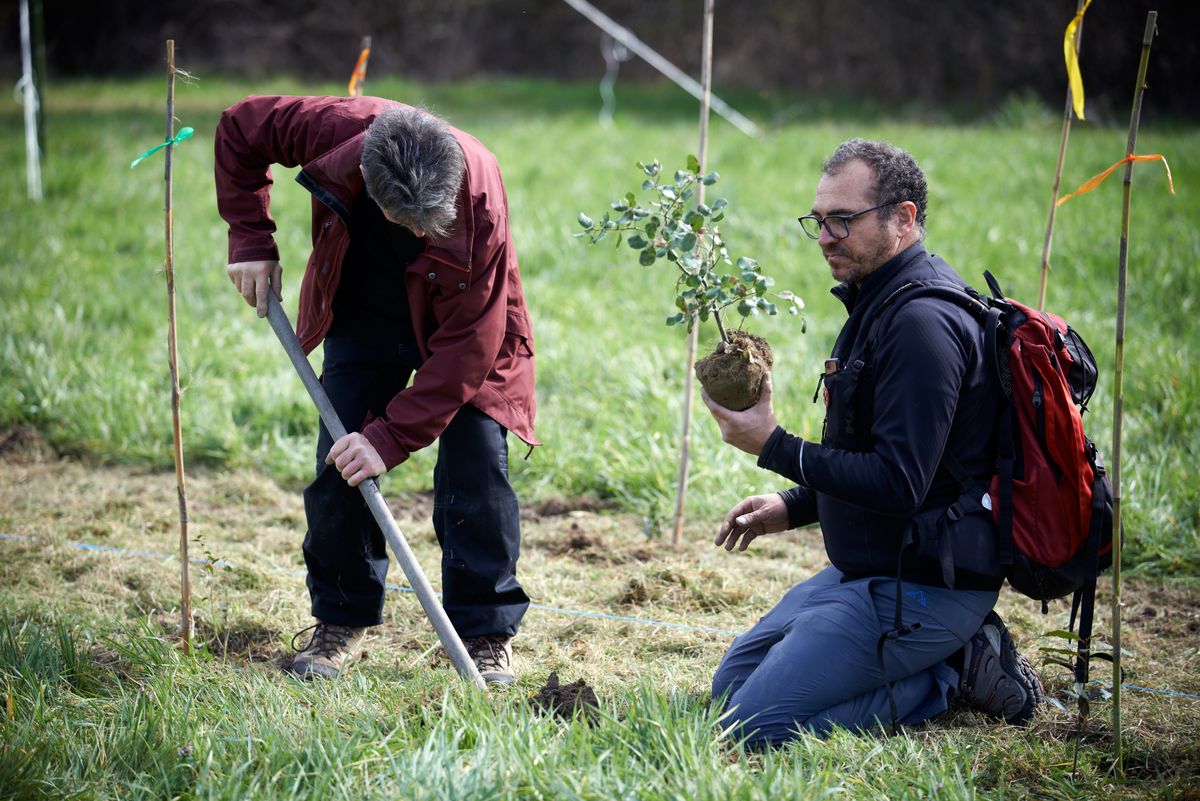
point(925, 390)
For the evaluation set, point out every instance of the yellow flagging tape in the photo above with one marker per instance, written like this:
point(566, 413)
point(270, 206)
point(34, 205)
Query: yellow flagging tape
point(1096, 180)
point(360, 72)
point(1072, 56)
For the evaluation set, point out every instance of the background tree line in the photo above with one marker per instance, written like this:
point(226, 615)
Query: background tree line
point(968, 54)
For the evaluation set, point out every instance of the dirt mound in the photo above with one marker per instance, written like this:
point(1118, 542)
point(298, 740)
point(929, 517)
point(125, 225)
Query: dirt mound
point(732, 374)
point(567, 701)
point(24, 445)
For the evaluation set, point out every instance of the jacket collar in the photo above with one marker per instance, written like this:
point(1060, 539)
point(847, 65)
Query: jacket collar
point(334, 178)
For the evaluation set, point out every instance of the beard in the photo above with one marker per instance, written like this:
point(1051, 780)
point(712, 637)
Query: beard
point(857, 263)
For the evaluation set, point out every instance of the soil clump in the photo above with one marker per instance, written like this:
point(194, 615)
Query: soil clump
point(568, 700)
point(733, 373)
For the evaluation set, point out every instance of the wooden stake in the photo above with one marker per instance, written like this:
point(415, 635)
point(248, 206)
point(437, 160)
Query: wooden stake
point(173, 359)
point(1062, 152)
point(1118, 393)
point(693, 337)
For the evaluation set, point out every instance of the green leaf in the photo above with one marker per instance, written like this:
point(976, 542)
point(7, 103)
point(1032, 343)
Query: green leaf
point(693, 164)
point(637, 242)
point(716, 218)
point(676, 319)
point(692, 280)
point(710, 179)
point(745, 263)
point(694, 219)
point(667, 191)
point(745, 309)
point(647, 257)
point(586, 221)
point(719, 204)
point(1062, 633)
point(630, 198)
point(688, 242)
point(647, 184)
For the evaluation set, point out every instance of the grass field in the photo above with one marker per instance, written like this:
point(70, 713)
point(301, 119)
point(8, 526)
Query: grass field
point(97, 704)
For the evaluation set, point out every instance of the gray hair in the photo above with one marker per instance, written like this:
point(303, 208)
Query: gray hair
point(413, 168)
point(897, 176)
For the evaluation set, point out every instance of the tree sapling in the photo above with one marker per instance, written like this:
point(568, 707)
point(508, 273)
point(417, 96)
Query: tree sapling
point(674, 227)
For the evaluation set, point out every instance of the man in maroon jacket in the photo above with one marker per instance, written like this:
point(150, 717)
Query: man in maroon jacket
point(413, 274)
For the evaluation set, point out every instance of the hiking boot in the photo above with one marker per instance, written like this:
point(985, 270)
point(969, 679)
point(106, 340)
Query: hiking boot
point(996, 679)
point(492, 655)
point(330, 650)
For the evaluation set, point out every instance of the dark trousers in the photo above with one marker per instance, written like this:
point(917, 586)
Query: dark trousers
point(475, 512)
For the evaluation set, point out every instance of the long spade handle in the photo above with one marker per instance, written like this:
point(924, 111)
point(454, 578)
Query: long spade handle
point(374, 498)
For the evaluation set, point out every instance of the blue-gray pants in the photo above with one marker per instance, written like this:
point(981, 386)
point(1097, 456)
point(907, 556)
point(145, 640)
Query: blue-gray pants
point(811, 662)
point(475, 511)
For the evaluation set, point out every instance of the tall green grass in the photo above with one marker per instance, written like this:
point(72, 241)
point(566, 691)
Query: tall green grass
point(82, 343)
point(130, 718)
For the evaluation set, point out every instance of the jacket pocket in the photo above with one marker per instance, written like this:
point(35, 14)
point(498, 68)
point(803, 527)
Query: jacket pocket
point(848, 416)
point(518, 327)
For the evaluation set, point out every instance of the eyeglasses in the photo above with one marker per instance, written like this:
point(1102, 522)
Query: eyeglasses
point(838, 225)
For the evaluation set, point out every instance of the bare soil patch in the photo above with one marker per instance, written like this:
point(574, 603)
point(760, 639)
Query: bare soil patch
point(567, 700)
point(100, 555)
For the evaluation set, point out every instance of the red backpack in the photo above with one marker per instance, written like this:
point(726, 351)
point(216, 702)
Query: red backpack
point(1050, 495)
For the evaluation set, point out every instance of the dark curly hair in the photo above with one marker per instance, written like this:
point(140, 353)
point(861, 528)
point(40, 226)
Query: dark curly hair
point(897, 176)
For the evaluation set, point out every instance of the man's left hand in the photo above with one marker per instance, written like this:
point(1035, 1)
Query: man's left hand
point(746, 430)
point(356, 459)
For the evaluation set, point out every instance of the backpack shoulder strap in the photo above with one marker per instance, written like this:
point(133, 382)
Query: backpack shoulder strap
point(965, 298)
point(992, 314)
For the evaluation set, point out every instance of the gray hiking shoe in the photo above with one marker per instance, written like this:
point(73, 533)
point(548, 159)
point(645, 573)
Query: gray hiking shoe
point(492, 655)
point(330, 650)
point(996, 679)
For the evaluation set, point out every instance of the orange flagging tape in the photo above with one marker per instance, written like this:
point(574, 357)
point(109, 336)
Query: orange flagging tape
point(1096, 180)
point(360, 73)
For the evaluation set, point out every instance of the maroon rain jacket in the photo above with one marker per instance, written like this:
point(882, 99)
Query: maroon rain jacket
point(464, 291)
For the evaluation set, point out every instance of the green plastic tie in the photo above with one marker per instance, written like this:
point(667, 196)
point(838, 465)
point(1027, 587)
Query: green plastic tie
point(184, 133)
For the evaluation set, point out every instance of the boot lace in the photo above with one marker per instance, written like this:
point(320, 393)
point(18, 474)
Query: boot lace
point(327, 639)
point(488, 652)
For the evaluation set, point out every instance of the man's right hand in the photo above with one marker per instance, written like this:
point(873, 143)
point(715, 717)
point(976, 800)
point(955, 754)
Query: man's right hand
point(753, 517)
point(253, 279)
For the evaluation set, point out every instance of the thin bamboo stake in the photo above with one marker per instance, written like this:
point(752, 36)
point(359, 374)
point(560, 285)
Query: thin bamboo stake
point(1058, 170)
point(173, 359)
point(1118, 393)
point(694, 334)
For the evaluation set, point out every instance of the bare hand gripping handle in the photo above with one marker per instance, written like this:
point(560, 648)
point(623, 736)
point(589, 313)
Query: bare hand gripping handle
point(374, 498)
